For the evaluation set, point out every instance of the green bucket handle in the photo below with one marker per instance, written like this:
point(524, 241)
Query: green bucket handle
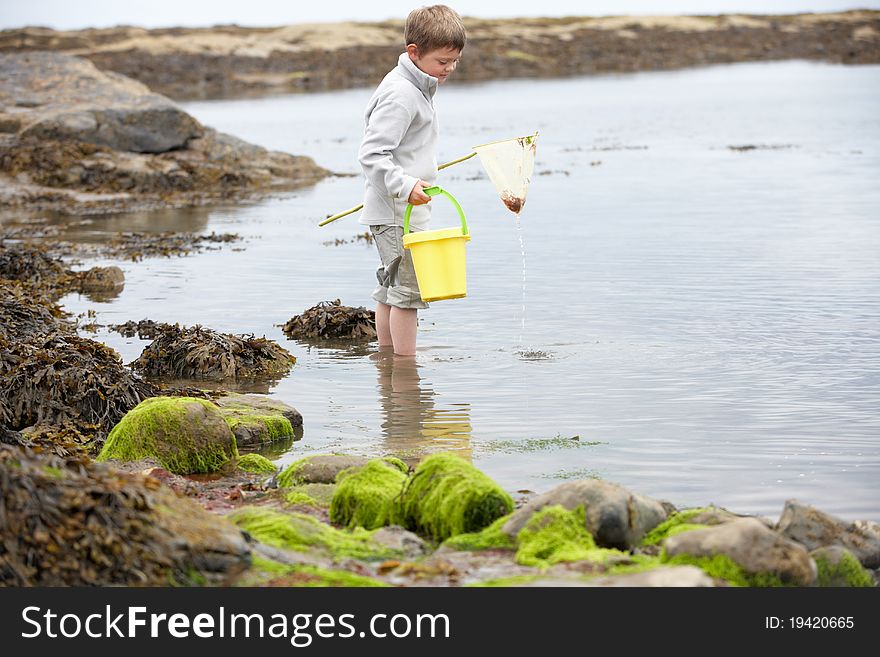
point(434, 191)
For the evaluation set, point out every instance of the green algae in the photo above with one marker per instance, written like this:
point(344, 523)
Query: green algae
point(163, 428)
point(314, 494)
point(723, 567)
point(269, 427)
point(677, 523)
point(298, 497)
point(555, 535)
point(265, 571)
point(489, 538)
point(290, 476)
point(256, 464)
point(513, 580)
point(446, 496)
point(300, 532)
point(846, 572)
point(365, 495)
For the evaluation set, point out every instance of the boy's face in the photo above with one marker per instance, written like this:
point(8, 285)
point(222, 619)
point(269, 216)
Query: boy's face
point(439, 63)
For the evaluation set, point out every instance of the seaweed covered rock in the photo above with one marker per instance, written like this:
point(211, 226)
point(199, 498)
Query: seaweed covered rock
point(31, 264)
point(813, 529)
point(65, 378)
point(446, 496)
point(330, 319)
point(744, 552)
point(303, 533)
point(185, 434)
point(837, 566)
point(202, 353)
point(25, 315)
point(258, 419)
point(556, 535)
point(687, 520)
point(256, 464)
point(365, 496)
point(101, 279)
point(318, 469)
point(615, 517)
point(76, 523)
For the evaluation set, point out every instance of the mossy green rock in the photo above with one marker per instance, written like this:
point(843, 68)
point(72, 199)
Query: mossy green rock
point(838, 566)
point(257, 419)
point(256, 464)
point(364, 497)
point(187, 435)
point(615, 516)
point(446, 496)
point(744, 552)
point(303, 533)
point(686, 520)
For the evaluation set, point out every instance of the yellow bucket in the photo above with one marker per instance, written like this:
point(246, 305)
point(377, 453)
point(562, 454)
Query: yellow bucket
point(438, 255)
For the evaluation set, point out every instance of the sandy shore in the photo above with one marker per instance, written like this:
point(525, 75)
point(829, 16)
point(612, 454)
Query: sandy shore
point(229, 61)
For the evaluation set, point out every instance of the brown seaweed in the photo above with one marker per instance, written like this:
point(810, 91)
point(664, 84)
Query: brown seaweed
point(202, 353)
point(330, 320)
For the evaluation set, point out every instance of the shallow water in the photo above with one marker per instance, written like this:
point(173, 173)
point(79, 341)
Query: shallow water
point(705, 320)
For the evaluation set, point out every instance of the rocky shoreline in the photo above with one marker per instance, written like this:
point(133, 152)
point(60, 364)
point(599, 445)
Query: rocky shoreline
point(77, 140)
point(231, 61)
point(109, 477)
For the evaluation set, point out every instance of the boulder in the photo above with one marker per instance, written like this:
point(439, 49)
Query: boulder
point(837, 566)
point(318, 469)
point(615, 517)
point(813, 529)
point(187, 435)
point(365, 496)
point(749, 552)
point(400, 540)
point(102, 279)
point(446, 496)
point(258, 419)
point(69, 98)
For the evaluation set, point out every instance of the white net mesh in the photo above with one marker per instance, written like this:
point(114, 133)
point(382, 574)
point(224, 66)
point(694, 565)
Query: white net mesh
point(509, 164)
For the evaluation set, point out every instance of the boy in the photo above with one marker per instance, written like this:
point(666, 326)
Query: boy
point(398, 156)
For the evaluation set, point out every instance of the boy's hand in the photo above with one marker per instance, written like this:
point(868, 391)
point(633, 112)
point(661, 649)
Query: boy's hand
point(417, 196)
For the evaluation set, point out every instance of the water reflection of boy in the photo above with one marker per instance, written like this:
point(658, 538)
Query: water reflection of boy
point(412, 426)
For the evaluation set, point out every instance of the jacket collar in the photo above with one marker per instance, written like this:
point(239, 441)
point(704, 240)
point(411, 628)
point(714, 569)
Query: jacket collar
point(425, 83)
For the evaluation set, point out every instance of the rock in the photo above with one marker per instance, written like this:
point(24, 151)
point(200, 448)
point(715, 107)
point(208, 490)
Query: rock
point(92, 525)
point(615, 517)
point(256, 464)
point(814, 529)
point(78, 140)
point(187, 435)
point(319, 469)
point(673, 576)
point(763, 555)
point(198, 352)
point(365, 495)
point(69, 98)
point(258, 419)
point(837, 566)
point(102, 279)
point(400, 540)
point(446, 496)
point(664, 576)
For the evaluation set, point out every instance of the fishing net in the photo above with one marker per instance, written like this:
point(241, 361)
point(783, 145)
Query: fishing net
point(509, 164)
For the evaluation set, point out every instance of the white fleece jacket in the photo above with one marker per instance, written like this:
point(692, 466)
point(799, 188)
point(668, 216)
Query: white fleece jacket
point(399, 145)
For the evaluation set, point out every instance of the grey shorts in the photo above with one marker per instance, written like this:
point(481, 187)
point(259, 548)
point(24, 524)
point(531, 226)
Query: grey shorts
point(397, 278)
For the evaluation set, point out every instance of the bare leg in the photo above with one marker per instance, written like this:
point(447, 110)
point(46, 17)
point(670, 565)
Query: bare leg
point(404, 324)
point(383, 327)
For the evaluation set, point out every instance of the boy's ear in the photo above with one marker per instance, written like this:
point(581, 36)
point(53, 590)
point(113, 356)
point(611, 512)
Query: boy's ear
point(413, 51)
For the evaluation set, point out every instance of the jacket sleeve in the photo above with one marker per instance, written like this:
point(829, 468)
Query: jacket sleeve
point(385, 129)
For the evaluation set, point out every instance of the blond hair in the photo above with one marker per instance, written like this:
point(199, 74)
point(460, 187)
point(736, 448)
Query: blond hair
point(434, 27)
